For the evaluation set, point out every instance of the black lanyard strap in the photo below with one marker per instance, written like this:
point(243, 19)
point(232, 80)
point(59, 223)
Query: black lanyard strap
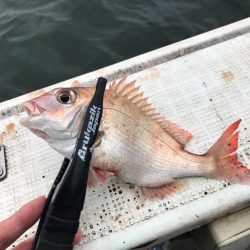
point(60, 218)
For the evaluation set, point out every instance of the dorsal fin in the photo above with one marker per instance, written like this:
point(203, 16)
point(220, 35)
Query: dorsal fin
point(133, 95)
point(177, 132)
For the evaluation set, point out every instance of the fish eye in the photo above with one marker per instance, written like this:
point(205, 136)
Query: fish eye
point(66, 96)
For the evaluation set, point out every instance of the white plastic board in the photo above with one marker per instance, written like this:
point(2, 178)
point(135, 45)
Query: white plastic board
point(203, 84)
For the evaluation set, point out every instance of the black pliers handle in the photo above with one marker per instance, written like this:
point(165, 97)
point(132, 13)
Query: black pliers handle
point(60, 219)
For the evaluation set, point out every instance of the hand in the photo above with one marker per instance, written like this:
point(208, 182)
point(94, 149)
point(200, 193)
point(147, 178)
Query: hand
point(13, 227)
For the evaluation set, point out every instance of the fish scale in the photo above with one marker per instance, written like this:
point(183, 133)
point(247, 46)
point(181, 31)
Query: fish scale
point(135, 143)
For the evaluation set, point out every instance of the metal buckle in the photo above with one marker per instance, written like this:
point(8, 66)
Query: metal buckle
point(3, 167)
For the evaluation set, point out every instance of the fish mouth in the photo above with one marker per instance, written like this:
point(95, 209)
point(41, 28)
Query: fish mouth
point(32, 108)
point(28, 107)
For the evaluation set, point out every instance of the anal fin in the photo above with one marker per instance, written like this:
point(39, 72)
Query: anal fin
point(164, 191)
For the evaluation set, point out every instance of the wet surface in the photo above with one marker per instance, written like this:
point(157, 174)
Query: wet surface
point(45, 42)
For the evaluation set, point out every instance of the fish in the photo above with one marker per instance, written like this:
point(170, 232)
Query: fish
point(134, 143)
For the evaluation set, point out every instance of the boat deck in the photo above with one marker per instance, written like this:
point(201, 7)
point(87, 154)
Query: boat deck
point(202, 84)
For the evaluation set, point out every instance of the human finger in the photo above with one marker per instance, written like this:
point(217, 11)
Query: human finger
point(13, 227)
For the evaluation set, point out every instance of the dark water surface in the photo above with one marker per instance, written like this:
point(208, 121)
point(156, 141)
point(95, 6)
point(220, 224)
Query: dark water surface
point(45, 42)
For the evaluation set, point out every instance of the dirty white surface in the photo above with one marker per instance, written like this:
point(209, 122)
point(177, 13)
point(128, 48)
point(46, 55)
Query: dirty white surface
point(229, 233)
point(203, 84)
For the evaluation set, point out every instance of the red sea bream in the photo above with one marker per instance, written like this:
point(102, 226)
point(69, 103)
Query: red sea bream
point(134, 143)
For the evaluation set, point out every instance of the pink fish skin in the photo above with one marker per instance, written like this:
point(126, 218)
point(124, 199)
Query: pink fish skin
point(134, 143)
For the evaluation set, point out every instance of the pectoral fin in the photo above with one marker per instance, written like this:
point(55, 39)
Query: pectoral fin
point(98, 176)
point(92, 180)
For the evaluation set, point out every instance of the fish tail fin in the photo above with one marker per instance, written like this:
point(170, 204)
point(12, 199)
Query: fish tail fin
point(224, 154)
